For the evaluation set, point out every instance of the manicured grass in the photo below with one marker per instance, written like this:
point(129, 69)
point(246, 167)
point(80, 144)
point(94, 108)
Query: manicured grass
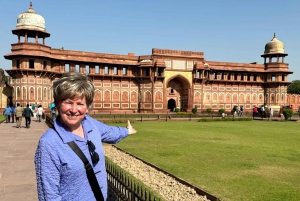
point(245, 161)
point(2, 117)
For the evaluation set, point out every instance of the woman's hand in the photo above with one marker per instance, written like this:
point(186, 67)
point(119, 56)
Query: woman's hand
point(131, 130)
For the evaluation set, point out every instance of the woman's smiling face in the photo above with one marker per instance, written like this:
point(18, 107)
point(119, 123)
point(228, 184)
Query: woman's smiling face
point(72, 112)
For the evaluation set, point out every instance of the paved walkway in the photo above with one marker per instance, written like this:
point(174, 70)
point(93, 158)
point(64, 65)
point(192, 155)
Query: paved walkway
point(17, 149)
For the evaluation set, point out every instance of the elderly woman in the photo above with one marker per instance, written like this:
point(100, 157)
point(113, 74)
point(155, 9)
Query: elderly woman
point(60, 173)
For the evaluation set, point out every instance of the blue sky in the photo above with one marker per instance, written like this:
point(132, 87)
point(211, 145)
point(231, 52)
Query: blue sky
point(232, 30)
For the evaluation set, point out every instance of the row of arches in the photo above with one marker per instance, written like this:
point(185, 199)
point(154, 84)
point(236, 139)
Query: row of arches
point(45, 94)
point(239, 98)
point(32, 93)
point(125, 96)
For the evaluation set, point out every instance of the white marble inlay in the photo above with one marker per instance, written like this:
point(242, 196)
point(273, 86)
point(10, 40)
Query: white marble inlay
point(178, 64)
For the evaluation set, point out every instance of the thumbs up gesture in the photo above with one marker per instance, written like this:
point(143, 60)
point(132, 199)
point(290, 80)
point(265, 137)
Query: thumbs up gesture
point(131, 130)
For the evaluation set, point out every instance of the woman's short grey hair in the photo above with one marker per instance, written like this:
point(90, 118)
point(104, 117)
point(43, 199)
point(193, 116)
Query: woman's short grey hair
point(72, 85)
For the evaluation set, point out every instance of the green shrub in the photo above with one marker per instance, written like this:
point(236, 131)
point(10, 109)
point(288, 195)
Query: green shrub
point(209, 110)
point(194, 110)
point(183, 113)
point(222, 110)
point(177, 110)
point(287, 113)
point(224, 119)
point(110, 121)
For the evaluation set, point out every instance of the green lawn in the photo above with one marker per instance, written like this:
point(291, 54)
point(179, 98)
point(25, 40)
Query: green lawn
point(244, 161)
point(2, 117)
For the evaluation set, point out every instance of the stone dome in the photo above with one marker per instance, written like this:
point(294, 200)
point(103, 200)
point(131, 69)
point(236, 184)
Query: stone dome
point(31, 20)
point(274, 46)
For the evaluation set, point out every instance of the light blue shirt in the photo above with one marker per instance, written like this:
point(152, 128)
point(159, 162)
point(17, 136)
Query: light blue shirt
point(7, 111)
point(60, 173)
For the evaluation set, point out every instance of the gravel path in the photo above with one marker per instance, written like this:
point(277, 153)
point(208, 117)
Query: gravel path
point(166, 186)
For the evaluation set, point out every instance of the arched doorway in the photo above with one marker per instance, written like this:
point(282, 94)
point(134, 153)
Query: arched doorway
point(171, 104)
point(177, 90)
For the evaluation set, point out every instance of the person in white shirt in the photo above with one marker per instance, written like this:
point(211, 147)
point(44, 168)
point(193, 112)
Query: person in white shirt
point(40, 112)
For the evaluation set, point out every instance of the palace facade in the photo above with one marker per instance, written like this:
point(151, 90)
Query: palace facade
point(158, 82)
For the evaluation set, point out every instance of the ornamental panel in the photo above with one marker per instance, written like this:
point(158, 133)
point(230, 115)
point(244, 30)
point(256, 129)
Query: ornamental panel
point(180, 65)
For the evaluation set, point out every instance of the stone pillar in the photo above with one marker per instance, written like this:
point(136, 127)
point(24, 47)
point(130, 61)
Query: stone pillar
point(72, 67)
point(82, 68)
point(26, 37)
point(44, 41)
point(19, 38)
point(36, 37)
point(92, 68)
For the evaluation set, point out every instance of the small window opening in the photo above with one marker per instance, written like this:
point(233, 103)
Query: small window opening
point(97, 69)
point(147, 72)
point(115, 70)
point(44, 65)
point(31, 63)
point(18, 63)
point(106, 70)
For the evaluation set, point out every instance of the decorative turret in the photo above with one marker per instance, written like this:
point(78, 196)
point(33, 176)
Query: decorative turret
point(274, 46)
point(30, 24)
point(274, 49)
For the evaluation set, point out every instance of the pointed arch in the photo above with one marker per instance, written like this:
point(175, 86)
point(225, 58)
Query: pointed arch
point(24, 94)
point(242, 98)
point(254, 98)
point(207, 97)
point(197, 97)
point(125, 96)
point(147, 96)
point(228, 98)
point(31, 93)
point(97, 95)
point(107, 97)
point(45, 94)
point(248, 98)
point(181, 78)
point(18, 93)
point(158, 96)
point(39, 93)
point(116, 96)
point(214, 97)
point(235, 98)
point(260, 98)
point(133, 97)
point(221, 98)
point(272, 98)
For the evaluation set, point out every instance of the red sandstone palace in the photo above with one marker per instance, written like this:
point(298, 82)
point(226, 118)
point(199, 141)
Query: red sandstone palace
point(158, 82)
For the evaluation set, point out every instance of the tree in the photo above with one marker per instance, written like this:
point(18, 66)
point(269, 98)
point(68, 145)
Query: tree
point(294, 88)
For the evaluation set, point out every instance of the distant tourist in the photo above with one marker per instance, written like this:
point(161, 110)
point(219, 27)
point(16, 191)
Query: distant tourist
point(271, 112)
point(33, 107)
point(19, 113)
point(13, 113)
point(7, 113)
point(262, 110)
point(53, 112)
point(27, 113)
point(40, 112)
point(242, 111)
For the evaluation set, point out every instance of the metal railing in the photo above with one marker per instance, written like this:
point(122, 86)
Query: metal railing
point(125, 187)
